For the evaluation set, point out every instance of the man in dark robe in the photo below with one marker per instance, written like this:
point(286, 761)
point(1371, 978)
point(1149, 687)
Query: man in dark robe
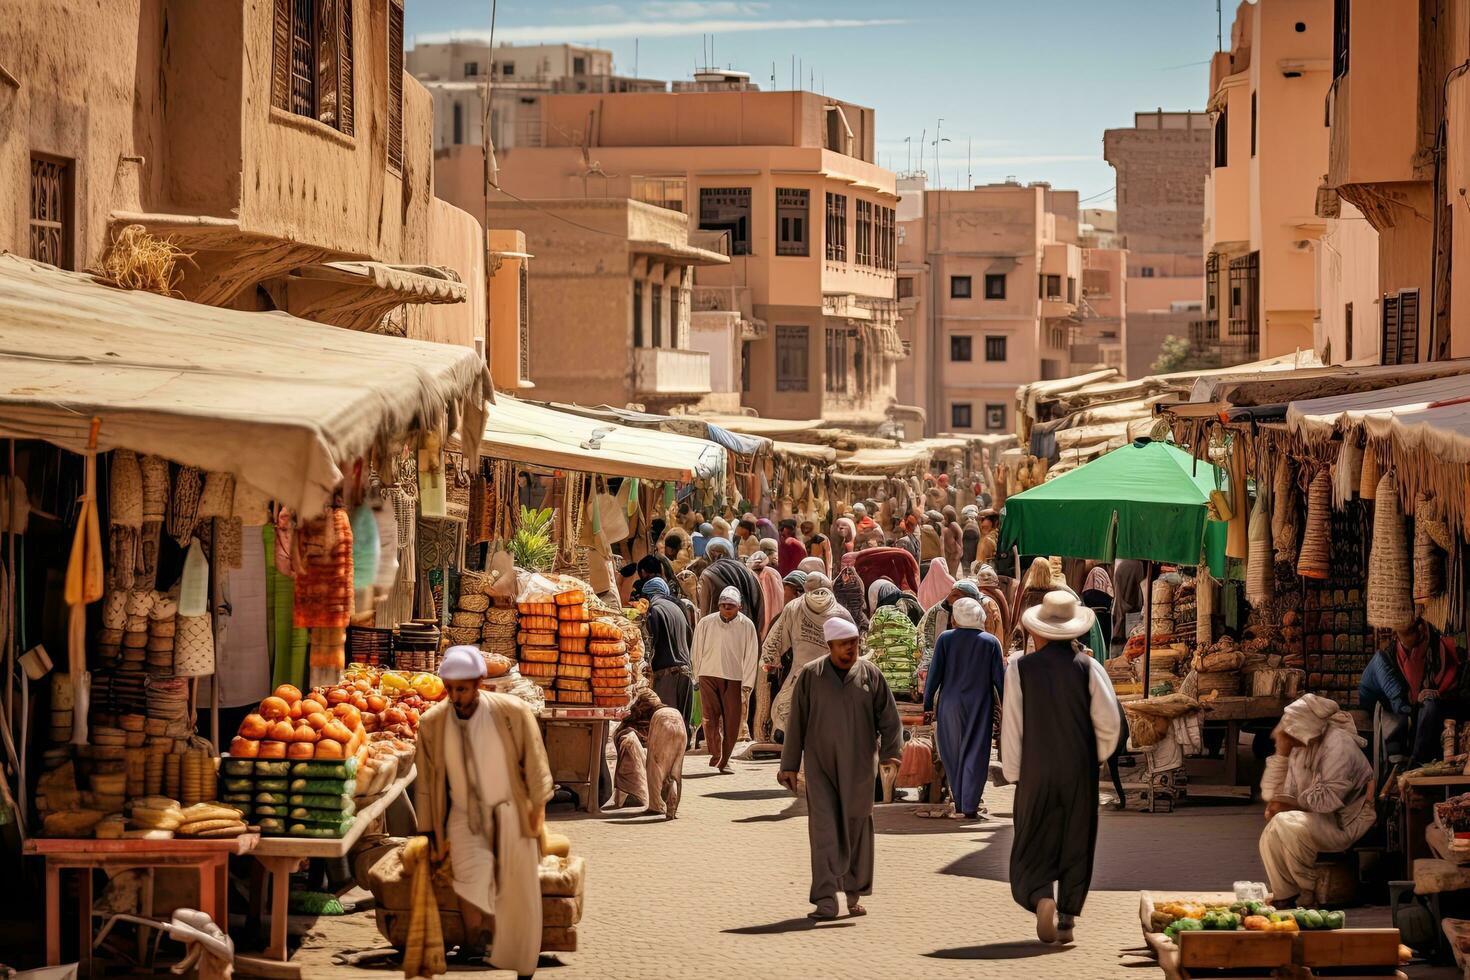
point(1061, 718)
point(843, 724)
point(965, 677)
point(669, 636)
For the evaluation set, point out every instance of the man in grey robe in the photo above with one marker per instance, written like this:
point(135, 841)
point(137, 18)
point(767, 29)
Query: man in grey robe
point(842, 722)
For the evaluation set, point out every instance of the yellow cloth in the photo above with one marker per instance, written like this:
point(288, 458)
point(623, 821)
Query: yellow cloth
point(423, 954)
point(84, 584)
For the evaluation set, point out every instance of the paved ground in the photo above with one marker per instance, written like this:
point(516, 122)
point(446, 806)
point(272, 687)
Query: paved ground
point(722, 890)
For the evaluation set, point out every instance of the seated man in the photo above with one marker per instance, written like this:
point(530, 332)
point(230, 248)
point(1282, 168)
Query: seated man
point(1318, 796)
point(1418, 681)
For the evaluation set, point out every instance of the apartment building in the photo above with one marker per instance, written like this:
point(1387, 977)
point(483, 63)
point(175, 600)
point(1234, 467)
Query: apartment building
point(611, 306)
point(789, 179)
point(1269, 150)
point(1397, 107)
point(1161, 162)
point(298, 175)
point(991, 289)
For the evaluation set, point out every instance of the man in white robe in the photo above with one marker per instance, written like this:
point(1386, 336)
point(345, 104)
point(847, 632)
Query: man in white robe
point(725, 655)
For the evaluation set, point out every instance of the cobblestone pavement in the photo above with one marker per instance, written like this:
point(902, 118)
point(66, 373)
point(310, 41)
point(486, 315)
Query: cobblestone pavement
point(722, 891)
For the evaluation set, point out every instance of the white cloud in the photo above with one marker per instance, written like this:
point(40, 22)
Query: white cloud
point(696, 9)
point(581, 33)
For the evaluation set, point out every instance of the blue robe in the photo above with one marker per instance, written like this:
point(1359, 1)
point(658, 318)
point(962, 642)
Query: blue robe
point(966, 674)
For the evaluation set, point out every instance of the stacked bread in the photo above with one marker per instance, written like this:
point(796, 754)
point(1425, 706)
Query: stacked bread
point(611, 676)
point(536, 642)
point(574, 664)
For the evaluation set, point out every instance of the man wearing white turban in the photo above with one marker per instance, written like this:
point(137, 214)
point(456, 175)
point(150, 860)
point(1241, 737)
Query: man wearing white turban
point(481, 794)
point(725, 656)
point(843, 725)
point(1317, 795)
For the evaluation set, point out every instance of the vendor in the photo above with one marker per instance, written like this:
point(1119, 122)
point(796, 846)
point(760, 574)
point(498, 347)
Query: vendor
point(1317, 792)
point(482, 789)
point(1419, 681)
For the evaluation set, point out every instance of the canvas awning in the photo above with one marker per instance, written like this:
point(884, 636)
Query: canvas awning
point(530, 433)
point(807, 451)
point(754, 425)
point(1432, 417)
point(281, 403)
point(885, 461)
point(697, 426)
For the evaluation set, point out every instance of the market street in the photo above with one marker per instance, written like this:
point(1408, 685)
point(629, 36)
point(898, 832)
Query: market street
point(724, 887)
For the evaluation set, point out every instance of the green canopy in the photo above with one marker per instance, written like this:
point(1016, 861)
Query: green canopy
point(1147, 500)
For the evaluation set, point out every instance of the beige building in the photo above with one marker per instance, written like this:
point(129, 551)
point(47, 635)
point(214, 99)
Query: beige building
point(1161, 163)
point(610, 300)
point(789, 179)
point(990, 285)
point(299, 176)
point(1268, 155)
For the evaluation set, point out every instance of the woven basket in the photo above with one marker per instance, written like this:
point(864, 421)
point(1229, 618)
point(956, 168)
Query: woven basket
point(1227, 683)
point(1315, 558)
point(474, 602)
point(1429, 556)
point(217, 499)
point(155, 488)
point(1372, 473)
point(184, 507)
point(1284, 525)
point(1390, 604)
point(1260, 561)
point(462, 636)
point(125, 490)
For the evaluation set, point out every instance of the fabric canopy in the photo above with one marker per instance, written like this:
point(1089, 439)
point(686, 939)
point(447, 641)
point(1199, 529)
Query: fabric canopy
point(1147, 500)
point(530, 433)
point(888, 461)
point(281, 403)
point(1429, 416)
point(697, 426)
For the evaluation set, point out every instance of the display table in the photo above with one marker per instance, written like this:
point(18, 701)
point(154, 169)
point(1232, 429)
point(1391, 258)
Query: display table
point(1414, 825)
point(576, 745)
point(209, 858)
point(278, 857)
point(1235, 710)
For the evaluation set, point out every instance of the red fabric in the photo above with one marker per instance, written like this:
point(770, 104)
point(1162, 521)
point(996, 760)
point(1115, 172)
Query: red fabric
point(791, 553)
point(1411, 662)
point(894, 564)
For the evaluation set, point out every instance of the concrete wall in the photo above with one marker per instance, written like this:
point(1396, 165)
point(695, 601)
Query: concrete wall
point(1161, 163)
point(1347, 273)
point(455, 242)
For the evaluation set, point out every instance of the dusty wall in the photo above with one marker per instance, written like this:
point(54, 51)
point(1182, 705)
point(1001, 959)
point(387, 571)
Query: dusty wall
point(1160, 181)
point(1347, 273)
point(455, 242)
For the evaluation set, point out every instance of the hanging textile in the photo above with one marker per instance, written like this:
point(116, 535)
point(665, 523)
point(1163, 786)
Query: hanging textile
point(85, 582)
point(287, 644)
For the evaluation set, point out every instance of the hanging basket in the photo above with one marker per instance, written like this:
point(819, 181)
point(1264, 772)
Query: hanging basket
point(1347, 473)
point(1390, 604)
point(1372, 473)
point(1316, 553)
point(1284, 523)
point(1429, 555)
point(1260, 563)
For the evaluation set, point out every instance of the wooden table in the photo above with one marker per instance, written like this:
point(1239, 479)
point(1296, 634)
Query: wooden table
point(279, 857)
point(1234, 710)
point(1415, 830)
point(576, 747)
point(209, 858)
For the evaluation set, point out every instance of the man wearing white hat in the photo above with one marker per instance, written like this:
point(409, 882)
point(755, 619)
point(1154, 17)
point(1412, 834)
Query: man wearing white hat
point(481, 797)
point(726, 651)
point(1061, 720)
point(843, 724)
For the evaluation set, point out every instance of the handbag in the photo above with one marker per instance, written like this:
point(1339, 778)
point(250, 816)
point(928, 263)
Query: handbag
point(194, 646)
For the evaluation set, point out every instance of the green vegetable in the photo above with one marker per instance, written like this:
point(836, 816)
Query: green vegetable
point(1333, 920)
point(1314, 920)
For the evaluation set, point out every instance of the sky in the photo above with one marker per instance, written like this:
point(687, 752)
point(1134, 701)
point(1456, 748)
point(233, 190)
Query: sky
point(1018, 88)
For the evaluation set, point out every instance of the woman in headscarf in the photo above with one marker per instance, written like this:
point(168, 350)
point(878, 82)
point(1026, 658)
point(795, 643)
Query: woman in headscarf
point(844, 534)
point(771, 548)
point(765, 529)
point(989, 584)
point(884, 593)
point(848, 588)
point(908, 536)
point(966, 681)
point(700, 539)
point(952, 540)
point(969, 535)
point(817, 545)
point(936, 585)
point(800, 628)
point(771, 591)
point(1317, 792)
point(650, 753)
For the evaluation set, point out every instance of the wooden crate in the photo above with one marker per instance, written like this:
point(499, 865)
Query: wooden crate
point(1349, 948)
point(1203, 953)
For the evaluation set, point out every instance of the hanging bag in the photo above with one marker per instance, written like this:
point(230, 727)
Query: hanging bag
point(194, 586)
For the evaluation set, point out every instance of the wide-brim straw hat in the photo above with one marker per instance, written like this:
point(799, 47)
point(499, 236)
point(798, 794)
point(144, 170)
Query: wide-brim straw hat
point(1059, 616)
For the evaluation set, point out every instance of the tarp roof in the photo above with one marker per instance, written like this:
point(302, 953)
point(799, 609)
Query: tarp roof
point(530, 433)
point(1433, 416)
point(756, 426)
point(806, 450)
point(880, 461)
point(1320, 382)
point(1145, 500)
point(697, 426)
point(279, 402)
point(1184, 380)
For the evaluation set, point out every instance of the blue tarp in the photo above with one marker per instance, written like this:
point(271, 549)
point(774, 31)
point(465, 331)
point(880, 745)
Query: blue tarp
point(688, 425)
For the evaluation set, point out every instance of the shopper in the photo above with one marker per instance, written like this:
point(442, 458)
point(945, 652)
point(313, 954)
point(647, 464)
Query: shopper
point(817, 545)
point(800, 628)
point(841, 712)
point(961, 693)
point(792, 550)
point(481, 796)
point(1060, 722)
point(650, 746)
point(725, 656)
point(669, 635)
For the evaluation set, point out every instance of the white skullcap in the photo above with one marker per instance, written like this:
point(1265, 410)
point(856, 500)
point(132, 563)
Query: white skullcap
point(730, 596)
point(812, 564)
point(967, 614)
point(462, 663)
point(816, 580)
point(860, 508)
point(837, 628)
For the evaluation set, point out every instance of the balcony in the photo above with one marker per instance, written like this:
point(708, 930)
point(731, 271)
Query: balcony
point(668, 373)
point(1057, 308)
point(729, 299)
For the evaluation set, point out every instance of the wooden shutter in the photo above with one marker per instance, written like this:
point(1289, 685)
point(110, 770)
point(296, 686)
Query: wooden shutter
point(1388, 337)
point(395, 86)
point(1408, 347)
point(344, 69)
point(281, 55)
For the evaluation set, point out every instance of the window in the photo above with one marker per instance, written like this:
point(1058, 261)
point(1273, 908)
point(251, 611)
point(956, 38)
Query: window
point(458, 124)
point(839, 370)
point(887, 239)
point(791, 359)
point(905, 287)
point(995, 285)
point(656, 315)
point(960, 347)
point(51, 211)
point(1347, 324)
point(661, 192)
point(1053, 287)
point(471, 69)
point(311, 60)
point(1340, 37)
point(836, 227)
point(727, 209)
point(864, 233)
point(579, 66)
point(1071, 289)
point(1147, 272)
point(638, 332)
point(1222, 138)
point(995, 348)
point(1253, 124)
point(791, 221)
point(960, 415)
point(995, 417)
point(959, 287)
point(676, 315)
point(507, 68)
point(745, 366)
point(395, 86)
point(1399, 340)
